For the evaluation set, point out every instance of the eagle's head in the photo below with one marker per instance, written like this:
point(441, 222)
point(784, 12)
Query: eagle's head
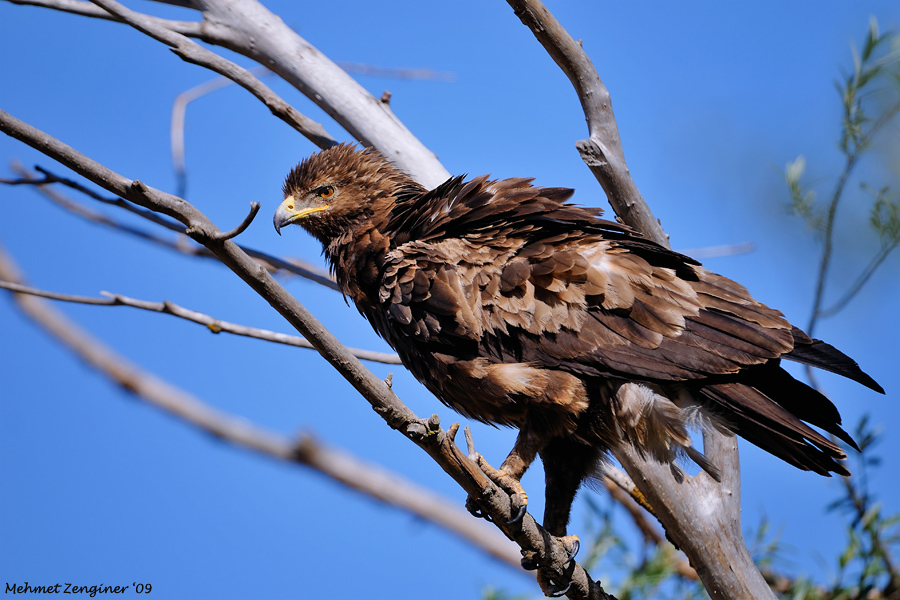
point(335, 190)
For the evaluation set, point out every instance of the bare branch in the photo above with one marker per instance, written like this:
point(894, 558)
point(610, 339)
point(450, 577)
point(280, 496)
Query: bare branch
point(367, 478)
point(249, 28)
point(86, 9)
point(272, 263)
point(719, 251)
point(427, 434)
point(213, 324)
point(864, 277)
point(176, 126)
point(602, 152)
point(700, 515)
point(228, 235)
point(193, 52)
point(50, 178)
point(393, 73)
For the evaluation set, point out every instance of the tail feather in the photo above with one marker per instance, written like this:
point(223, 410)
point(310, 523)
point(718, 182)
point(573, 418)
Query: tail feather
point(766, 424)
point(816, 353)
point(804, 402)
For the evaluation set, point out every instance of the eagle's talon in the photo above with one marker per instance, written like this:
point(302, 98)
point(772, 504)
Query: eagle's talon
point(519, 515)
point(572, 545)
point(518, 499)
point(558, 593)
point(551, 588)
point(529, 564)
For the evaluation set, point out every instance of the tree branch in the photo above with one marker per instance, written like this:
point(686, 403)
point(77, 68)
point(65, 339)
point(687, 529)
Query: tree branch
point(249, 28)
point(213, 324)
point(701, 516)
point(367, 478)
point(193, 52)
point(602, 151)
point(427, 434)
point(86, 9)
point(272, 263)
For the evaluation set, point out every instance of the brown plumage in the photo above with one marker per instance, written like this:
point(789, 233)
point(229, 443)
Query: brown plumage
point(517, 308)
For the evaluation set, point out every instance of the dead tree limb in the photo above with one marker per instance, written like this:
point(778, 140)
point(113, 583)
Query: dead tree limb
point(700, 515)
point(369, 479)
point(213, 324)
point(425, 433)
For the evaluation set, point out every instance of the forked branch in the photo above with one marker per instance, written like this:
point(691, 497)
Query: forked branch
point(701, 516)
point(427, 434)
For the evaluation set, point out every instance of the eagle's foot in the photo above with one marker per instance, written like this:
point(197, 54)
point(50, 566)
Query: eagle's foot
point(570, 543)
point(551, 587)
point(475, 509)
point(518, 499)
point(555, 586)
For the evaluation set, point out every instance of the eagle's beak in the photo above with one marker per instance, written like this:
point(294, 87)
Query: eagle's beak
point(287, 213)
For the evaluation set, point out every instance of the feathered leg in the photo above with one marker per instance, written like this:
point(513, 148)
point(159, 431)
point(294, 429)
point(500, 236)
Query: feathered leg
point(566, 464)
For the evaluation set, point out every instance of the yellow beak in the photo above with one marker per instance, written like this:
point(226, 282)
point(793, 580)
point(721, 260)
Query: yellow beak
point(287, 213)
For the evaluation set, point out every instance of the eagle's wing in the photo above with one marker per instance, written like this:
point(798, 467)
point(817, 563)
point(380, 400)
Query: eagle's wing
point(548, 285)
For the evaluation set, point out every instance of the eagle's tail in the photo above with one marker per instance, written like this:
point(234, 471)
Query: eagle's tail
point(817, 353)
point(774, 411)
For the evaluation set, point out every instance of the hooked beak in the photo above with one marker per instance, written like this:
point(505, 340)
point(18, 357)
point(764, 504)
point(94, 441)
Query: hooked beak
point(287, 213)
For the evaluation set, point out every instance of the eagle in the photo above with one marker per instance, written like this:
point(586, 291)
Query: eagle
point(516, 307)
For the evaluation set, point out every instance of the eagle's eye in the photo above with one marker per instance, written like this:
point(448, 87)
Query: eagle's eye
point(325, 191)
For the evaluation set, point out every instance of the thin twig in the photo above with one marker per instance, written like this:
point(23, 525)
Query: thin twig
point(179, 106)
point(228, 235)
point(86, 9)
point(853, 157)
point(272, 263)
point(719, 251)
point(397, 73)
point(176, 123)
point(213, 324)
point(867, 273)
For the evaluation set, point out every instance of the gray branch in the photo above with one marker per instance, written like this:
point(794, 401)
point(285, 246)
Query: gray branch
point(701, 516)
point(602, 151)
point(86, 9)
point(249, 28)
point(213, 324)
point(272, 263)
point(193, 52)
point(425, 433)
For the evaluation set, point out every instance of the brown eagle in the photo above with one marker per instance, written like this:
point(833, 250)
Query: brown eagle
point(517, 308)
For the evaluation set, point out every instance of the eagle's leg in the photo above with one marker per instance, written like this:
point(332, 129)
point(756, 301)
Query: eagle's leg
point(566, 464)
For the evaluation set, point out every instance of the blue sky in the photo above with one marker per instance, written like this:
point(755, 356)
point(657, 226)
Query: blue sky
point(712, 99)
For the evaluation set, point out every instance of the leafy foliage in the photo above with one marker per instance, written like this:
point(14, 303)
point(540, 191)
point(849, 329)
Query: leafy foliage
point(870, 101)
